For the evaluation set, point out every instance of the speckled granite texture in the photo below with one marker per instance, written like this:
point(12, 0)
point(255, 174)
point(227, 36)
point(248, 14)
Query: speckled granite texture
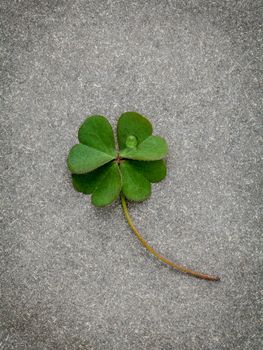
point(75, 277)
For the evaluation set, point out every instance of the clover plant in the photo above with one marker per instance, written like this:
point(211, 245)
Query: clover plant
point(106, 172)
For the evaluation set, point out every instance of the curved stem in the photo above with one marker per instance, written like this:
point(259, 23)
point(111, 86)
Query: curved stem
point(159, 256)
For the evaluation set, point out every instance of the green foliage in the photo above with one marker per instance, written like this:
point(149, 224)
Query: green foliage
point(108, 188)
point(152, 148)
point(154, 171)
point(132, 123)
point(83, 159)
point(98, 169)
point(134, 185)
point(96, 132)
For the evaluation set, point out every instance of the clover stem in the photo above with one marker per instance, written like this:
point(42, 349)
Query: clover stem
point(159, 256)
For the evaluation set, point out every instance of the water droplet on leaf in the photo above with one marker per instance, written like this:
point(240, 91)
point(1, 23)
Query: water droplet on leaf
point(131, 141)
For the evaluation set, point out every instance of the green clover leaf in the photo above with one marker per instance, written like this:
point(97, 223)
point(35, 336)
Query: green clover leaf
point(100, 170)
point(96, 147)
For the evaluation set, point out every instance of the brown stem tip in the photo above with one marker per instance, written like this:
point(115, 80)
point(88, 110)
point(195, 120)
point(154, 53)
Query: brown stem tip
point(159, 256)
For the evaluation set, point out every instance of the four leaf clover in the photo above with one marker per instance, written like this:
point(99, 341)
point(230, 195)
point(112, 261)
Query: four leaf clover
point(100, 169)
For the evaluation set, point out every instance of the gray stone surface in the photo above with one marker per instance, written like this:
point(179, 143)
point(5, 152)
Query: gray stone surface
point(75, 277)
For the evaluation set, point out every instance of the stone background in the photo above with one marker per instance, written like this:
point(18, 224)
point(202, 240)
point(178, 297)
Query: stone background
point(75, 277)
